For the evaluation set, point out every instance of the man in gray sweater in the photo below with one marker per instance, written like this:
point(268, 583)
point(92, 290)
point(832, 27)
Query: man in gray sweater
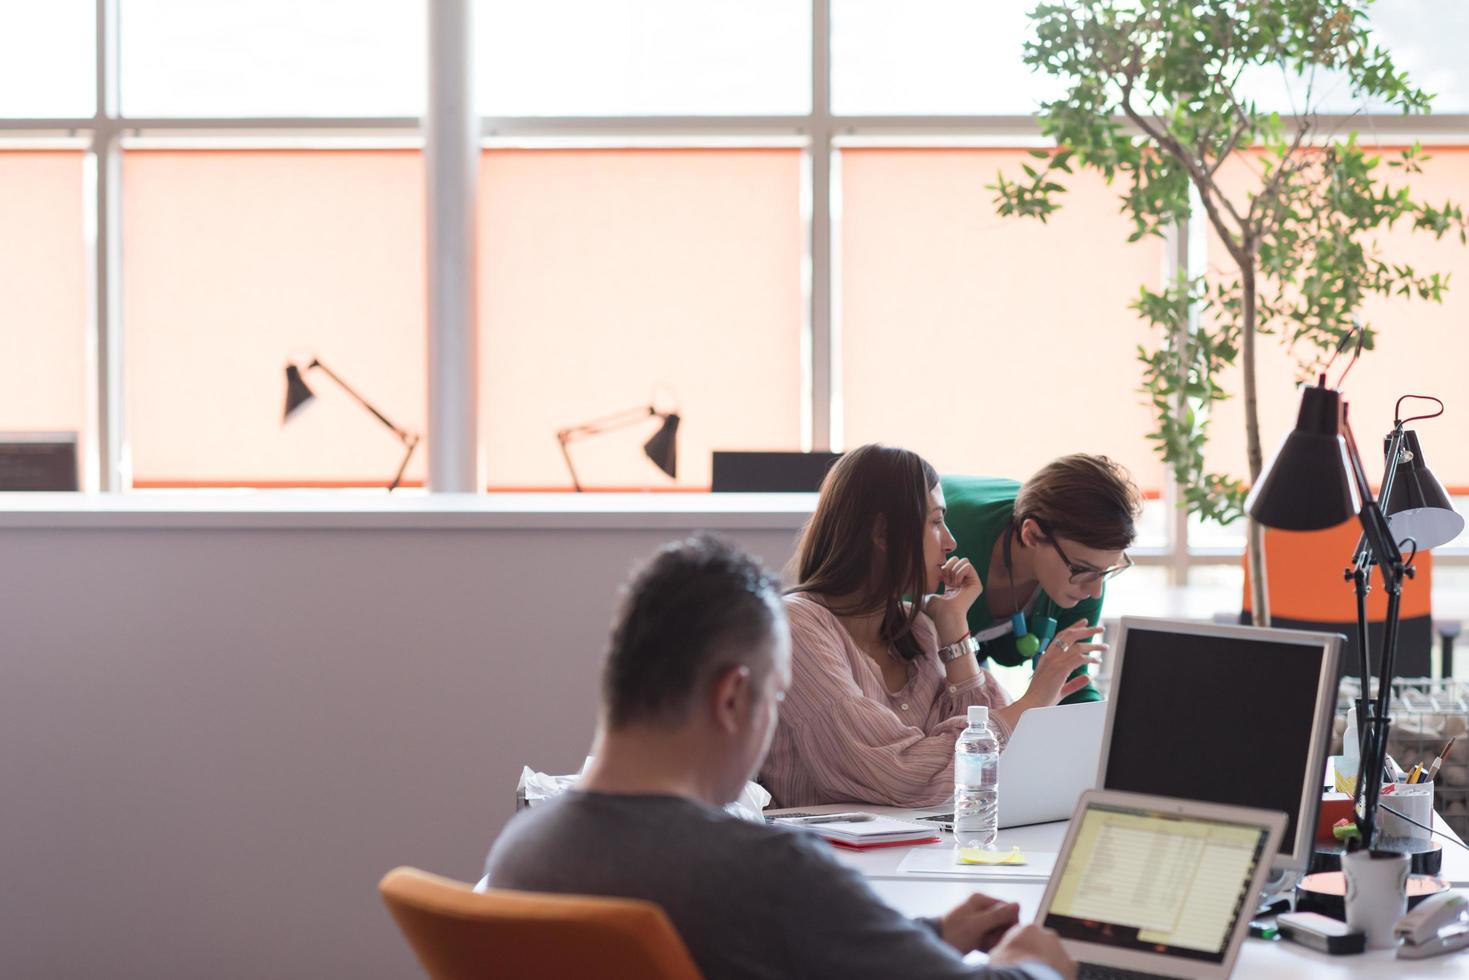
point(699, 662)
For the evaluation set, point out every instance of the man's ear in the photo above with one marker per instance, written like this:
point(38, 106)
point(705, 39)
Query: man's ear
point(731, 695)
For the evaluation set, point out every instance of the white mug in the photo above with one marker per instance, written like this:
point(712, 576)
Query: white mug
point(1377, 894)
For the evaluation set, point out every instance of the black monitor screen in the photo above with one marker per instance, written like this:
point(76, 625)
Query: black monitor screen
point(1222, 719)
point(770, 472)
point(38, 461)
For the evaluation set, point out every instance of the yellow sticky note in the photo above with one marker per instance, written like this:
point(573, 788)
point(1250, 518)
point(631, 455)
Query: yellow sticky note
point(978, 855)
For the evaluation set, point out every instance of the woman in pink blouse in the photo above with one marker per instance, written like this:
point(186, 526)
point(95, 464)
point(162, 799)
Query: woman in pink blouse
point(880, 685)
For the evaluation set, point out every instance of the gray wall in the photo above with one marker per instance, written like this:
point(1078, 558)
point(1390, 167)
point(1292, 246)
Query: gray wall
point(214, 741)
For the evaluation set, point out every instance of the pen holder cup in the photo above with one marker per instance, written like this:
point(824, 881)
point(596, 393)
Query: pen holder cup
point(1412, 800)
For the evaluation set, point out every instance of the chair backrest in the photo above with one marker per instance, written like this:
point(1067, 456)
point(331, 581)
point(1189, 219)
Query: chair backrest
point(1303, 574)
point(459, 934)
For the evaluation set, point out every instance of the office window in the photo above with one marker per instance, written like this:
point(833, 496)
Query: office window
point(46, 58)
point(933, 57)
point(991, 345)
point(43, 292)
point(612, 278)
point(240, 260)
point(643, 57)
point(1425, 39)
point(273, 57)
point(1420, 347)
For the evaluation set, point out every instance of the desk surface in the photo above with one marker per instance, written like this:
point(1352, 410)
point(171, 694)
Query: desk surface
point(916, 894)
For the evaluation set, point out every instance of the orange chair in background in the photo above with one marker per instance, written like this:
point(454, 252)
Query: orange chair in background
point(1304, 576)
point(461, 934)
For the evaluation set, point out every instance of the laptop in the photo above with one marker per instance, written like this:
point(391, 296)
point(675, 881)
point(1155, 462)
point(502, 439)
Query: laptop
point(1155, 887)
point(1051, 758)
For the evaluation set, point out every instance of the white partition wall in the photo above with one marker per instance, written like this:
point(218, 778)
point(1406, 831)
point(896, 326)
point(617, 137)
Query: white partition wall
point(217, 733)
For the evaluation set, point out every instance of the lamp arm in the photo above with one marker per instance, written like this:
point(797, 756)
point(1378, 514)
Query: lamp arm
point(1389, 476)
point(412, 443)
point(607, 423)
point(408, 438)
point(1377, 547)
point(1360, 573)
point(561, 438)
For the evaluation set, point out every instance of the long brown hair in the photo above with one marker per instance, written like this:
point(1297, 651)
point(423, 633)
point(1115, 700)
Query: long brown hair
point(871, 486)
point(1086, 499)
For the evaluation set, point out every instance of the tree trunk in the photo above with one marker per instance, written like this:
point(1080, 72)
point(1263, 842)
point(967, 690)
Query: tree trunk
point(1255, 550)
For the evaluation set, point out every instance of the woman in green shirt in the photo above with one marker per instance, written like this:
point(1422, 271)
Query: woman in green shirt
point(1044, 550)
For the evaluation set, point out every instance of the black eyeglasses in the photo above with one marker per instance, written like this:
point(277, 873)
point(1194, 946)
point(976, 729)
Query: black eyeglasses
point(1085, 574)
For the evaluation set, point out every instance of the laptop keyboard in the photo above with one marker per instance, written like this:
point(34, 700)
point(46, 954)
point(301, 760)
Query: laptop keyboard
point(1092, 971)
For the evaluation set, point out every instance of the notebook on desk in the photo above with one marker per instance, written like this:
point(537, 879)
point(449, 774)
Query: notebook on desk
point(863, 830)
point(1155, 886)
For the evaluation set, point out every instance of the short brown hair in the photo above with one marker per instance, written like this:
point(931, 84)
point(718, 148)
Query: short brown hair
point(1087, 499)
point(695, 608)
point(870, 486)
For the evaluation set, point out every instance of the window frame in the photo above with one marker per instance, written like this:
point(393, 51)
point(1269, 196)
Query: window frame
point(819, 133)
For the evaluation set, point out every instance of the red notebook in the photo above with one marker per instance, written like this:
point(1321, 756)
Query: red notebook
point(932, 839)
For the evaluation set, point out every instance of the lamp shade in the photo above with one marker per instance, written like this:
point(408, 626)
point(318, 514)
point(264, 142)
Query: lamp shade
point(662, 448)
point(1308, 486)
point(1418, 506)
point(297, 391)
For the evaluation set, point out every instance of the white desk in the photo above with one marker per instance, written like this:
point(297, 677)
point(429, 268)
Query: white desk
point(916, 894)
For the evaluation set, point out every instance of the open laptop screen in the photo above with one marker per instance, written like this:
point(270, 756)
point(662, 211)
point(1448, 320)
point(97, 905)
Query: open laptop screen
point(1156, 882)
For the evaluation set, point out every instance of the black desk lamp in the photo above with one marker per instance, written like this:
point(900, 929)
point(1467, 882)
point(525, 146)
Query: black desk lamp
point(1316, 481)
point(662, 448)
point(298, 394)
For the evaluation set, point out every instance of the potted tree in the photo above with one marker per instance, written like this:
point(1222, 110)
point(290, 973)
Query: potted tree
point(1160, 95)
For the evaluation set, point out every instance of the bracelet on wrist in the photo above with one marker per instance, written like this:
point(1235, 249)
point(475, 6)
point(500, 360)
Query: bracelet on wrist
point(961, 647)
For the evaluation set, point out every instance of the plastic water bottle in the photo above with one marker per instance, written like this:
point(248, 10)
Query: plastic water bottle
point(977, 782)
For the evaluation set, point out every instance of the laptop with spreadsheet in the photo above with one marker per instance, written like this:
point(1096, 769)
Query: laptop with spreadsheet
point(1158, 887)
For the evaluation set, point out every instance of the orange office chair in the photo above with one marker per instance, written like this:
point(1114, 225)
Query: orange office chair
point(460, 934)
point(1303, 572)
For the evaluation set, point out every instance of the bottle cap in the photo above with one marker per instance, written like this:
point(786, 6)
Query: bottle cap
point(979, 714)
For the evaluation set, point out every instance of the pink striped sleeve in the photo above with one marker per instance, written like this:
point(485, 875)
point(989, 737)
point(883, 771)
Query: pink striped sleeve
point(839, 744)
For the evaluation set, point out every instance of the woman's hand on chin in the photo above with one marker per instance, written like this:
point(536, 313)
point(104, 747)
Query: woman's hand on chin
point(950, 610)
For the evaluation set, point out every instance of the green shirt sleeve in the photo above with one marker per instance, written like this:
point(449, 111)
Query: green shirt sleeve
point(1091, 611)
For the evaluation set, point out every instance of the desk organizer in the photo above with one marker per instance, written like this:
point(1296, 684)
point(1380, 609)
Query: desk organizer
point(1426, 713)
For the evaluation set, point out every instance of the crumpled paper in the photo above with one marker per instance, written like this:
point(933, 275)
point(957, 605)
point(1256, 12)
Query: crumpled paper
point(537, 787)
